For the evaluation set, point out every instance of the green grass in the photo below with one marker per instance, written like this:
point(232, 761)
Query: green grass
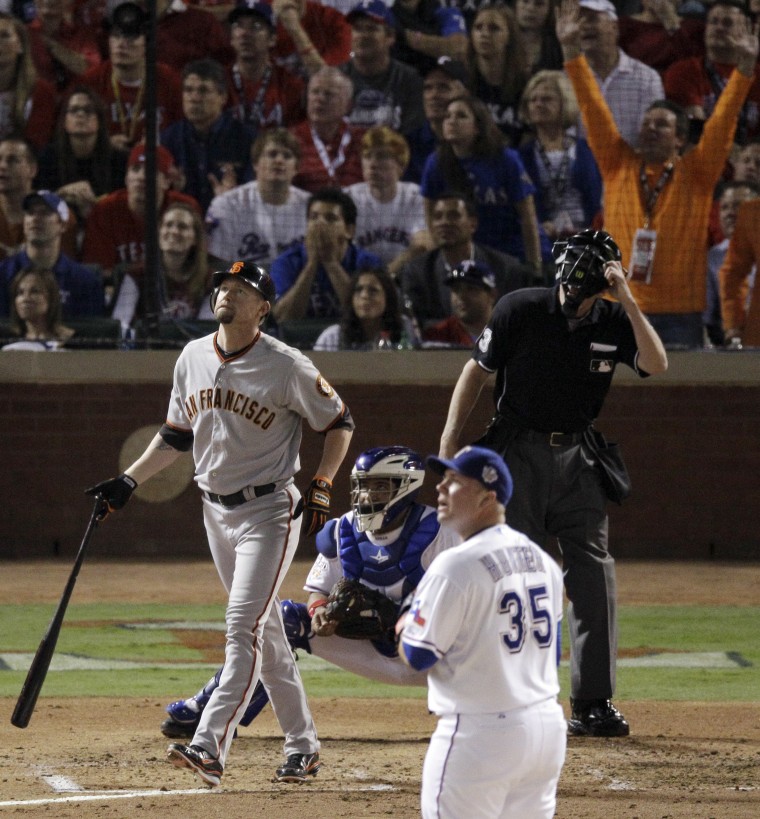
point(96, 631)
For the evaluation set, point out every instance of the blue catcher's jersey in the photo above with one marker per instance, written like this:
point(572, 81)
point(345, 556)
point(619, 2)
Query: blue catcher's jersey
point(393, 563)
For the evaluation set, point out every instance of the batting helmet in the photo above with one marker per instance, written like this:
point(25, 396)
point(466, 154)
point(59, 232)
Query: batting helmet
point(256, 276)
point(384, 482)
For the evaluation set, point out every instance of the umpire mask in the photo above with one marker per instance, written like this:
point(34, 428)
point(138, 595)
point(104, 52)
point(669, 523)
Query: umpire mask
point(580, 266)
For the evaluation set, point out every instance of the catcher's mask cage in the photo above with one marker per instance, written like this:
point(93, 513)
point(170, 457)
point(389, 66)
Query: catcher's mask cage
point(581, 260)
point(384, 482)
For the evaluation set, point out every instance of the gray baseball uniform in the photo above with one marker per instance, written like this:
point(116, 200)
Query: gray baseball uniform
point(245, 414)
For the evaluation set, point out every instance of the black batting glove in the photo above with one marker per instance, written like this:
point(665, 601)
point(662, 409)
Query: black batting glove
point(115, 492)
point(317, 505)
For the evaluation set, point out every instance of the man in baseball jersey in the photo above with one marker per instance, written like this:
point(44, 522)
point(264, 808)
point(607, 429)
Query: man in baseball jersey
point(386, 541)
point(238, 401)
point(554, 352)
point(261, 219)
point(485, 623)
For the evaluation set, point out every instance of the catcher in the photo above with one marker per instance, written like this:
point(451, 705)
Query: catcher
point(369, 562)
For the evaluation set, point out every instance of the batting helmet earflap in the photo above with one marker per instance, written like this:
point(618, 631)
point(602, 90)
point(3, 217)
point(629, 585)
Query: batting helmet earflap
point(256, 276)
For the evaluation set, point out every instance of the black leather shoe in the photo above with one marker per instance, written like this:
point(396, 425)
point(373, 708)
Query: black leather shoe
point(596, 718)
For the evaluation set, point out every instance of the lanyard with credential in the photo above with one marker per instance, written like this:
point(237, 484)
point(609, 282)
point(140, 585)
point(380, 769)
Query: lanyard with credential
point(331, 166)
point(136, 108)
point(651, 196)
point(256, 116)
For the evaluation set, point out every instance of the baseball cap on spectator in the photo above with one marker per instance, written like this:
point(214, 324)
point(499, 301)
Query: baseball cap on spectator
point(601, 6)
point(451, 68)
point(374, 9)
point(128, 19)
point(471, 272)
point(50, 200)
point(252, 8)
point(484, 465)
point(164, 160)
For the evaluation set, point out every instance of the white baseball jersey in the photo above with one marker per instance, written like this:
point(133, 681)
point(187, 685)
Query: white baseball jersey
point(386, 228)
point(246, 412)
point(490, 610)
point(241, 225)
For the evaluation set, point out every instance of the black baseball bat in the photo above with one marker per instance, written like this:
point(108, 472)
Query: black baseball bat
point(38, 670)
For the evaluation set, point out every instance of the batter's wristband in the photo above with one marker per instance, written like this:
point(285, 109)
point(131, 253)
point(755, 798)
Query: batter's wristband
point(321, 479)
point(317, 604)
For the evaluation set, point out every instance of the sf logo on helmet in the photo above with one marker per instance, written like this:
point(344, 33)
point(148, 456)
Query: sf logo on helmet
point(236, 267)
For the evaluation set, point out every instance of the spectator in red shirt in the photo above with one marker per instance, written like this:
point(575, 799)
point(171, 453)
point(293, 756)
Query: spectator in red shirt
point(330, 147)
point(310, 36)
point(659, 37)
point(697, 82)
point(261, 95)
point(27, 105)
point(61, 50)
point(115, 228)
point(185, 33)
point(119, 80)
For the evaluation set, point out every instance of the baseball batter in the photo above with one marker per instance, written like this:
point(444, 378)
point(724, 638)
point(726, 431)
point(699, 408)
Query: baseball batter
point(485, 622)
point(238, 400)
point(386, 541)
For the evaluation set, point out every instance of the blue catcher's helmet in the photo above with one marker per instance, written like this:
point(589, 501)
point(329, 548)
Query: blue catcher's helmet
point(384, 482)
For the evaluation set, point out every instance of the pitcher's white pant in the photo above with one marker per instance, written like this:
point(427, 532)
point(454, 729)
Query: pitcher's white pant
point(252, 546)
point(495, 766)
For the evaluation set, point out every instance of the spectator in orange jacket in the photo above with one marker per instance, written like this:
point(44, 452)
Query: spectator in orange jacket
point(741, 322)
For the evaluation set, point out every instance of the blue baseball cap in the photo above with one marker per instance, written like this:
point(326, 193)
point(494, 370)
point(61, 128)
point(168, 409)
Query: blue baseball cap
point(376, 10)
point(484, 465)
point(252, 8)
point(51, 200)
point(471, 272)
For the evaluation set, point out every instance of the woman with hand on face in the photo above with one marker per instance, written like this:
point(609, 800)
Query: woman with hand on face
point(372, 313)
point(472, 159)
point(36, 312)
point(79, 164)
point(563, 169)
point(184, 281)
point(535, 19)
point(496, 63)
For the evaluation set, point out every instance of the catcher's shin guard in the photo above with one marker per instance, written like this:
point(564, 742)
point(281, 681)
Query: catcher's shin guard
point(259, 699)
point(297, 622)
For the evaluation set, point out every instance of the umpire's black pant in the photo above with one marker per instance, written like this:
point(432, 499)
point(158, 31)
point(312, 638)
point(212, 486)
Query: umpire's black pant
point(558, 493)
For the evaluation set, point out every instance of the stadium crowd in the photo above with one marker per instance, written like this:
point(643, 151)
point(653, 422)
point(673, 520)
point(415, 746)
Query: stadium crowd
point(444, 145)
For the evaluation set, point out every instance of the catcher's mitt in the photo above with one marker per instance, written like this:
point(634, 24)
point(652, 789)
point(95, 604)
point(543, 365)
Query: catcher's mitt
point(360, 612)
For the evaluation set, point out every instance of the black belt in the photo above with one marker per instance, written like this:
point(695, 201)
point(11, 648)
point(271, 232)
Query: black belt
point(243, 496)
point(552, 438)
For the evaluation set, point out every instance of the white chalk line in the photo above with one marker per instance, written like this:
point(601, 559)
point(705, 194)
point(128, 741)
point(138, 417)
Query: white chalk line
point(106, 796)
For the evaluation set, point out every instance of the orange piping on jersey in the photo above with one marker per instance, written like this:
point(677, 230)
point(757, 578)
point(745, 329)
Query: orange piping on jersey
point(179, 429)
point(237, 355)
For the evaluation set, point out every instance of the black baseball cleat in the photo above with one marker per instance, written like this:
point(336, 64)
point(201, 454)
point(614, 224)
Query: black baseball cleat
point(198, 760)
point(596, 718)
point(174, 729)
point(298, 767)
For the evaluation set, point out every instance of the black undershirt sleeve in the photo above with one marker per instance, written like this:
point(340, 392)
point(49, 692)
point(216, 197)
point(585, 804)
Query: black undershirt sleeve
point(178, 439)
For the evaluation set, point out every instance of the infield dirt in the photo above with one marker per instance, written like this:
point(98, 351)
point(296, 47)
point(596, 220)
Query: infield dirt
point(682, 761)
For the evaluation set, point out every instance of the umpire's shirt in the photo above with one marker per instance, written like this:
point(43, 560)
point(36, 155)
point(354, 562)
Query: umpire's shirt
point(553, 374)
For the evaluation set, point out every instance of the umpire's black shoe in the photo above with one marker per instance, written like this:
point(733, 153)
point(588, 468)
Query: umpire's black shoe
point(596, 718)
point(298, 767)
